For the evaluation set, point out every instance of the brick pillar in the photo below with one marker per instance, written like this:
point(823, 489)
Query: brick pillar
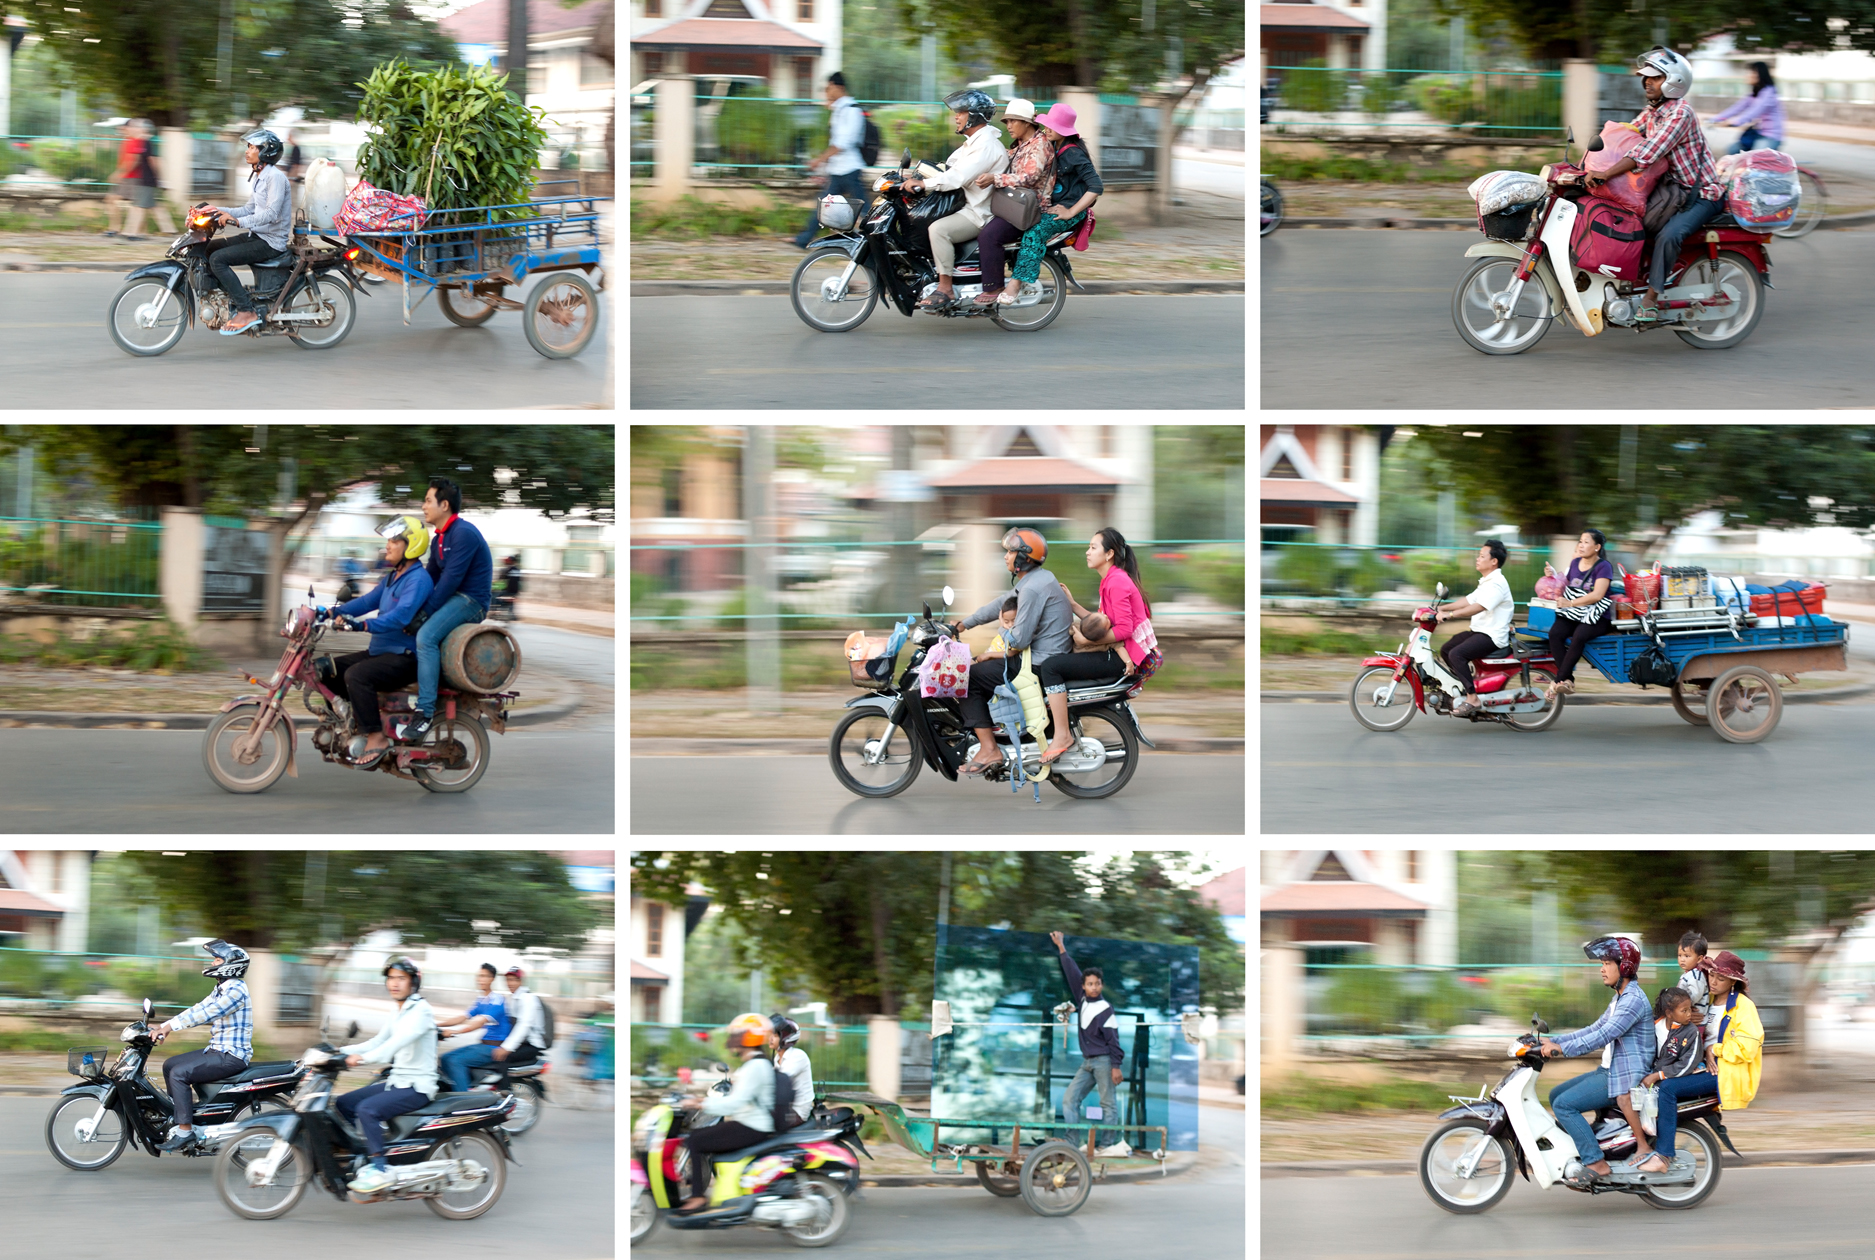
point(674, 137)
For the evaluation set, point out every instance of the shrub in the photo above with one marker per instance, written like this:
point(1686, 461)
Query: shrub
point(754, 130)
point(74, 163)
point(1315, 90)
point(454, 136)
point(930, 138)
point(1491, 105)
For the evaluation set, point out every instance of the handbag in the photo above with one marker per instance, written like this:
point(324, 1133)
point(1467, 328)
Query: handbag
point(1020, 208)
point(945, 673)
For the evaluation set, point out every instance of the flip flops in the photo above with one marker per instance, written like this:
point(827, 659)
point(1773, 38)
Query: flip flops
point(371, 761)
point(974, 768)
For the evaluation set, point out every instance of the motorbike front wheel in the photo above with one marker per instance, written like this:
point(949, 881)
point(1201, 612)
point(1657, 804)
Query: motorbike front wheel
point(1734, 275)
point(644, 1213)
point(1380, 703)
point(259, 1203)
point(1272, 208)
point(147, 317)
point(270, 761)
point(1477, 320)
point(84, 1154)
point(1491, 1171)
point(828, 299)
point(859, 733)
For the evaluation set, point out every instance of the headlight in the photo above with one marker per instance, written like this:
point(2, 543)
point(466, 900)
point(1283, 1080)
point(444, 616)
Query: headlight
point(1544, 174)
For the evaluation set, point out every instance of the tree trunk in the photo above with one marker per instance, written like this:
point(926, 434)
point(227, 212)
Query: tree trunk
point(173, 87)
point(881, 962)
point(1168, 131)
point(517, 48)
point(191, 484)
point(1085, 72)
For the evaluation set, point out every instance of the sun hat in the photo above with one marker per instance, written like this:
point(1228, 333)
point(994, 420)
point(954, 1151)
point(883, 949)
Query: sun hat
point(1059, 119)
point(1019, 108)
point(1726, 963)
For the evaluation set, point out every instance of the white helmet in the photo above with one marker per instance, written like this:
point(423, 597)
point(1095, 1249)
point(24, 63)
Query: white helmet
point(1670, 66)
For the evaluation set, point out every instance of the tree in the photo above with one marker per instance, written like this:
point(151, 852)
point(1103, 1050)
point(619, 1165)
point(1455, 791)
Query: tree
point(1615, 31)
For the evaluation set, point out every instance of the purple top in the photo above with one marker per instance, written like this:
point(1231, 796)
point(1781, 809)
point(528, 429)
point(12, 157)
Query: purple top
point(1761, 110)
point(1574, 577)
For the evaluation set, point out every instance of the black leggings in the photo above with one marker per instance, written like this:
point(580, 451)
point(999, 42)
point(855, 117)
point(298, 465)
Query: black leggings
point(364, 675)
point(725, 1135)
point(1462, 649)
point(1567, 641)
point(1063, 668)
point(223, 257)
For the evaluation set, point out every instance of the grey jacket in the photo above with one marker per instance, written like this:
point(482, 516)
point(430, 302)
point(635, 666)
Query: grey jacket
point(1043, 617)
point(268, 213)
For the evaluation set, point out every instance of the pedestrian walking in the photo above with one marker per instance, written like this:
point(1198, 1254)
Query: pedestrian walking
point(145, 184)
point(841, 162)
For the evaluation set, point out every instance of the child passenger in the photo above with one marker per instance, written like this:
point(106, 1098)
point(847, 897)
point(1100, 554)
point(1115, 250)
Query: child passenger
point(1679, 1034)
point(1692, 979)
point(1006, 621)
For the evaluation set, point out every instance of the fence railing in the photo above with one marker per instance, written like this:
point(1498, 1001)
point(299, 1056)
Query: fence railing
point(88, 563)
point(78, 162)
point(838, 1054)
point(325, 556)
point(780, 135)
point(1501, 104)
point(57, 979)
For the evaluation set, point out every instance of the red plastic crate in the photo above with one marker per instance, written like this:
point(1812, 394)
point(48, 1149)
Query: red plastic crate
point(1788, 603)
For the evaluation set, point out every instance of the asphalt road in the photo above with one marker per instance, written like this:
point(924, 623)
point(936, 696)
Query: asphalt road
point(1769, 1213)
point(1200, 1213)
point(1354, 318)
point(1172, 352)
point(60, 356)
point(787, 795)
point(122, 782)
point(558, 1205)
point(1324, 772)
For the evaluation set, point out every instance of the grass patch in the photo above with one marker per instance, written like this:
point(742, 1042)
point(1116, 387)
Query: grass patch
point(1288, 167)
point(1302, 1095)
point(87, 220)
point(696, 219)
point(35, 1041)
point(158, 647)
point(1314, 642)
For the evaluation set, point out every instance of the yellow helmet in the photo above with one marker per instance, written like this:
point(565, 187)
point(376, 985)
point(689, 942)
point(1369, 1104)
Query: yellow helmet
point(750, 1031)
point(411, 530)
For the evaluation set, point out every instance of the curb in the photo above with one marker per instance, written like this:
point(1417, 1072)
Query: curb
point(766, 288)
point(1174, 1165)
point(31, 265)
point(1381, 221)
point(1401, 1167)
point(817, 747)
point(28, 1091)
point(199, 722)
point(1791, 697)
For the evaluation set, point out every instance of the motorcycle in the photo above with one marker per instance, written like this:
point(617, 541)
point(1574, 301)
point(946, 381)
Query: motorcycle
point(1272, 210)
point(525, 1082)
point(1714, 298)
point(450, 1152)
point(501, 608)
point(304, 293)
point(1508, 687)
point(887, 245)
point(254, 741)
point(798, 1181)
point(117, 1104)
point(878, 748)
point(1465, 1166)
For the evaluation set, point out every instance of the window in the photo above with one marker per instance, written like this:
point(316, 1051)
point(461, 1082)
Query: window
point(804, 85)
point(804, 11)
point(653, 1003)
point(1409, 930)
point(1412, 866)
point(673, 492)
point(654, 930)
point(58, 872)
point(1283, 470)
point(1347, 454)
point(654, 8)
point(726, 9)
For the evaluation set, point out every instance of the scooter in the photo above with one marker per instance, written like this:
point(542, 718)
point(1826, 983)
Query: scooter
point(1465, 1166)
point(1510, 688)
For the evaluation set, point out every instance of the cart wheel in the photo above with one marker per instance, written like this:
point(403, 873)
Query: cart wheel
point(1001, 1187)
point(1744, 705)
point(1056, 1179)
point(561, 315)
point(472, 311)
point(1697, 716)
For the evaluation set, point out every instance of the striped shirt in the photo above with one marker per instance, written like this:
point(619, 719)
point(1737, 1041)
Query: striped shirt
point(1672, 128)
point(229, 1013)
point(1578, 586)
point(1629, 1024)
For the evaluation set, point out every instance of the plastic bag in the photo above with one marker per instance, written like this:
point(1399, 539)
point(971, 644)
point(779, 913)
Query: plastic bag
point(1618, 140)
point(371, 209)
point(1500, 189)
point(1646, 1100)
point(945, 674)
point(1549, 586)
point(1762, 191)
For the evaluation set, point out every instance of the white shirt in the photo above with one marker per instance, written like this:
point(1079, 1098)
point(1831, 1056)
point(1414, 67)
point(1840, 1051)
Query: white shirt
point(982, 153)
point(1493, 595)
point(800, 1072)
point(751, 1097)
point(845, 133)
point(408, 1044)
point(524, 1006)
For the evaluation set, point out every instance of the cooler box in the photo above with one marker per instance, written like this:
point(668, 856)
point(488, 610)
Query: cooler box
point(1542, 615)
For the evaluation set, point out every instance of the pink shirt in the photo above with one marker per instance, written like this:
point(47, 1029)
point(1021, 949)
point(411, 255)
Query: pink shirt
point(1121, 602)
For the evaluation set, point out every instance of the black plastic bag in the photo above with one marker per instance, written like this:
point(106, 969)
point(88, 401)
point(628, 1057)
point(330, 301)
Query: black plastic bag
point(1652, 668)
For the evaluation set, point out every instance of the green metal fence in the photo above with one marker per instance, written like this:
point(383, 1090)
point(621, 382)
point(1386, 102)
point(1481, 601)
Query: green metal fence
point(838, 1054)
point(774, 136)
point(1350, 575)
point(1501, 104)
point(56, 979)
point(86, 563)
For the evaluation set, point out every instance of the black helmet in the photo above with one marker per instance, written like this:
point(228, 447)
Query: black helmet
point(787, 1032)
point(230, 960)
point(974, 102)
point(400, 963)
point(268, 144)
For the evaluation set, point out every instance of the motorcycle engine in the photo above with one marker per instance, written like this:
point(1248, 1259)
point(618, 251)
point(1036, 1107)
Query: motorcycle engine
point(215, 309)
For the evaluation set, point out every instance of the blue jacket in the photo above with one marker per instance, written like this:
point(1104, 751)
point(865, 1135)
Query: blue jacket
point(1099, 1038)
point(396, 601)
point(459, 562)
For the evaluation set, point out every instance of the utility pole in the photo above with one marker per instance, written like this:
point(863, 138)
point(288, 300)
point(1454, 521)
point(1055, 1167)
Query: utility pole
point(517, 48)
point(763, 657)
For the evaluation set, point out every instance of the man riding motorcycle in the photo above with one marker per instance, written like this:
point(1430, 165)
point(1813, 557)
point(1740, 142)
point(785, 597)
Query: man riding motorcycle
point(1043, 622)
point(228, 1010)
point(747, 1110)
point(391, 662)
point(268, 217)
point(982, 154)
point(1628, 1023)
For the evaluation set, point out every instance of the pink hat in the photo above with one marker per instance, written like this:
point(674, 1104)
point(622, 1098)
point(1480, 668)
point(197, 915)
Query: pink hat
point(1059, 119)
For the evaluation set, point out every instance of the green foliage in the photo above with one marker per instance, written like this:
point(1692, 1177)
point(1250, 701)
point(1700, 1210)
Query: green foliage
point(1372, 1003)
point(693, 218)
point(928, 132)
point(753, 130)
point(73, 161)
point(1382, 93)
point(1304, 1094)
point(454, 136)
point(1315, 90)
point(102, 560)
point(1322, 642)
point(1197, 481)
point(1492, 105)
point(159, 647)
point(1615, 30)
point(1215, 571)
point(1290, 168)
point(1317, 570)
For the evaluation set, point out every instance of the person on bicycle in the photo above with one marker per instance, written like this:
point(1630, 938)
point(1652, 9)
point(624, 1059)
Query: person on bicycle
point(268, 218)
point(228, 1011)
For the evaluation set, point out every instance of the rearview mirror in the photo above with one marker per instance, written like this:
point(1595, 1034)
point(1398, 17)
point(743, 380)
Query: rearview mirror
point(949, 596)
point(904, 162)
point(148, 1009)
point(1538, 1023)
point(1439, 590)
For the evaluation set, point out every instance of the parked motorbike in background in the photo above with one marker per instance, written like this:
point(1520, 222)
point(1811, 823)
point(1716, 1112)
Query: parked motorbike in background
point(1272, 210)
point(1510, 687)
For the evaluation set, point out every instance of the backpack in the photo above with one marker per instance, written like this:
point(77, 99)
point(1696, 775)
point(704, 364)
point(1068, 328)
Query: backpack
point(783, 1111)
point(869, 143)
point(1668, 198)
point(1607, 235)
point(546, 1019)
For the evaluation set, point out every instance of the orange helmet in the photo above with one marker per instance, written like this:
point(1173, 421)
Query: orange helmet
point(1030, 547)
point(750, 1031)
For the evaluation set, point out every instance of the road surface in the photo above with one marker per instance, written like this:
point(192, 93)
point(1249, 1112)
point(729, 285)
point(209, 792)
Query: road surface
point(1356, 318)
point(1323, 772)
point(1166, 352)
point(1170, 794)
point(1773, 1213)
point(60, 356)
point(558, 1205)
point(1201, 1212)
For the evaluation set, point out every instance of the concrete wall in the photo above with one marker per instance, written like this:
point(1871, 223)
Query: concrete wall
point(573, 592)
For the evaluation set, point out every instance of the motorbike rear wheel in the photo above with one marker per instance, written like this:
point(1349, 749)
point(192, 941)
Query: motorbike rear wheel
point(833, 1214)
point(1122, 745)
point(466, 1205)
point(847, 748)
point(1054, 285)
point(1490, 1178)
point(1477, 322)
point(817, 277)
point(315, 295)
point(473, 737)
point(1739, 280)
point(1399, 708)
point(1540, 676)
point(271, 762)
point(1272, 208)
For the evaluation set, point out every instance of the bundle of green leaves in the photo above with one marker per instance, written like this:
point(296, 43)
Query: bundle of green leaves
point(453, 136)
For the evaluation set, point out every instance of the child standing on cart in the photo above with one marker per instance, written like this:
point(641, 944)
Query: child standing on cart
point(1101, 1059)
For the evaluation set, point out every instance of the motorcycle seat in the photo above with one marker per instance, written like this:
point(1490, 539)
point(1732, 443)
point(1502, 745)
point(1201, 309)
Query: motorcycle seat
point(278, 260)
point(1101, 691)
point(205, 1090)
point(777, 1141)
point(409, 1122)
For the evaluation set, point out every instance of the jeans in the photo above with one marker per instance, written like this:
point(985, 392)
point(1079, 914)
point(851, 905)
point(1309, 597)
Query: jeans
point(1672, 1091)
point(1751, 138)
point(1682, 225)
point(1568, 639)
point(1093, 1073)
point(363, 676)
point(1462, 649)
point(198, 1067)
point(457, 610)
point(371, 1106)
point(847, 185)
point(1585, 1093)
point(457, 1064)
point(222, 257)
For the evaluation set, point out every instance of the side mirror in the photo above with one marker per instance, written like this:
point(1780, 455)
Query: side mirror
point(148, 1009)
point(1438, 590)
point(1537, 1023)
point(949, 596)
point(1595, 145)
point(927, 610)
point(904, 162)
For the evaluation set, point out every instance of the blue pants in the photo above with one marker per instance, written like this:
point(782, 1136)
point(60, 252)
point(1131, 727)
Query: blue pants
point(1751, 138)
point(1682, 225)
point(1672, 1090)
point(847, 185)
point(1585, 1093)
point(457, 610)
point(371, 1106)
point(457, 1064)
point(1094, 1073)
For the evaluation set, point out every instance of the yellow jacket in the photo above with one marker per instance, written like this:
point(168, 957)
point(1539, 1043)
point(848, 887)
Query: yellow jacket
point(1741, 1056)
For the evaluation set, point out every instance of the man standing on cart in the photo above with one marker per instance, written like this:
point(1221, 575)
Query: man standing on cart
point(1101, 1059)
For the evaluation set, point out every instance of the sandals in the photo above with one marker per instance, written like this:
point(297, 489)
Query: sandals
point(1050, 758)
point(975, 768)
point(938, 301)
point(371, 761)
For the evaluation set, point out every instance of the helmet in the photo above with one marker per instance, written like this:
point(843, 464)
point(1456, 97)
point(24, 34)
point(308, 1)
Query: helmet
point(1670, 65)
point(974, 102)
point(1618, 950)
point(749, 1031)
point(411, 530)
point(230, 961)
point(787, 1032)
point(268, 144)
point(409, 968)
point(1030, 547)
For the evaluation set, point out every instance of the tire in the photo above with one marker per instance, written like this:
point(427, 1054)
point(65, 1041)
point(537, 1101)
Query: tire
point(1704, 1148)
point(1056, 1180)
point(808, 289)
point(472, 314)
point(1443, 1150)
point(1129, 753)
point(169, 317)
point(644, 1214)
point(528, 1104)
point(561, 315)
point(835, 1218)
point(1695, 716)
point(1546, 719)
point(474, 737)
point(1811, 207)
point(1367, 683)
point(315, 293)
point(252, 1202)
point(1001, 1187)
point(903, 748)
point(65, 1114)
point(1744, 705)
point(1739, 279)
point(272, 766)
point(1272, 208)
point(1008, 317)
point(1477, 323)
point(468, 1204)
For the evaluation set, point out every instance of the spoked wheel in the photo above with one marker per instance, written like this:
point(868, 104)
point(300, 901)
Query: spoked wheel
point(1737, 279)
point(1485, 318)
point(483, 1152)
point(84, 1134)
point(1380, 703)
point(1272, 211)
point(147, 318)
point(832, 293)
point(644, 1213)
point(1697, 1142)
point(1056, 1179)
point(269, 762)
point(1464, 1170)
point(1693, 710)
point(1744, 705)
point(1053, 282)
point(1810, 206)
point(1003, 1187)
point(526, 1114)
point(265, 1202)
point(331, 300)
point(1541, 676)
point(462, 308)
point(871, 756)
point(561, 314)
point(469, 756)
point(1117, 737)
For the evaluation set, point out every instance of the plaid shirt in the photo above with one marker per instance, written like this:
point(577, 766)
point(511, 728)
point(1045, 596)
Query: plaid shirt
point(1629, 1023)
point(1672, 128)
point(229, 1012)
